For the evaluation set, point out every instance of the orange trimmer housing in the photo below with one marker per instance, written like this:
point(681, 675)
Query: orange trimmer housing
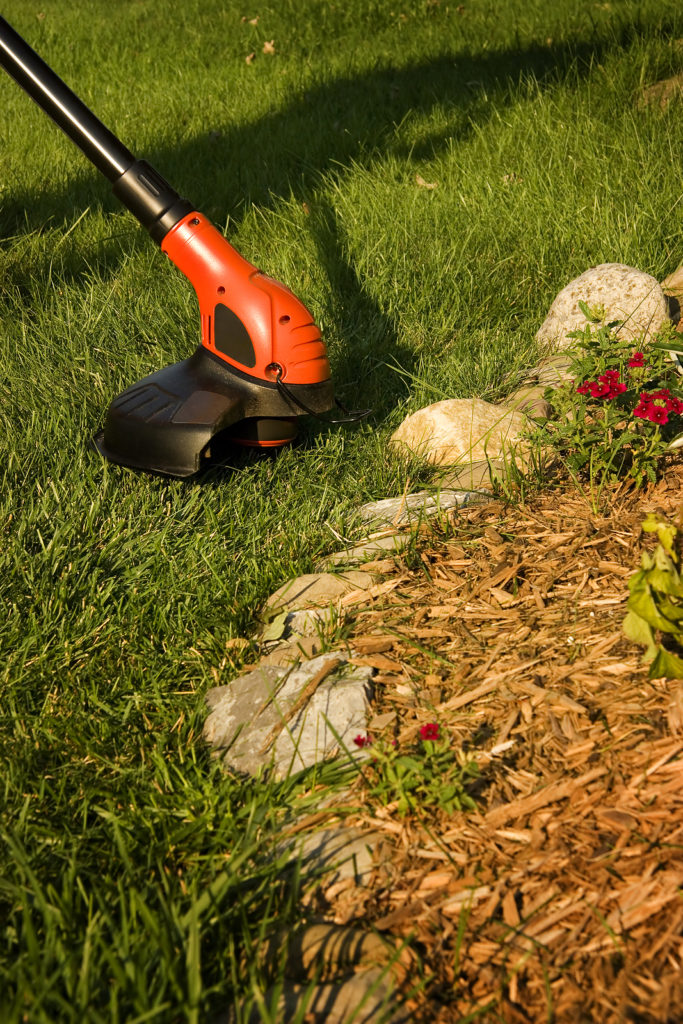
point(250, 321)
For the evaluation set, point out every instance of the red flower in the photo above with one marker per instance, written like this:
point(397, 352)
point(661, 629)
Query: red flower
point(637, 360)
point(429, 731)
point(362, 741)
point(658, 414)
point(607, 386)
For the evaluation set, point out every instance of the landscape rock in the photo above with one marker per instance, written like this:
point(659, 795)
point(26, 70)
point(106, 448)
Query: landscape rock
point(673, 284)
point(460, 430)
point(293, 651)
point(531, 401)
point(625, 293)
point(368, 997)
point(552, 371)
point(328, 951)
point(289, 719)
point(335, 855)
point(412, 507)
point(317, 590)
point(475, 476)
point(368, 549)
point(662, 93)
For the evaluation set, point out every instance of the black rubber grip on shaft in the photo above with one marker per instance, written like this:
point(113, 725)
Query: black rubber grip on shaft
point(147, 195)
point(151, 199)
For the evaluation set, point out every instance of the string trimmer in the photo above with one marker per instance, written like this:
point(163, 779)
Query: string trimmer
point(261, 363)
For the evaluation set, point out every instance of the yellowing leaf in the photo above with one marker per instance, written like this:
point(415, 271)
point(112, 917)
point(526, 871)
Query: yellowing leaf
point(666, 532)
point(425, 184)
point(249, 58)
point(637, 629)
point(666, 664)
point(269, 46)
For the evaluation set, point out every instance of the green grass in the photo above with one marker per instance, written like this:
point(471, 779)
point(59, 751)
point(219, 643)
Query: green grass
point(135, 875)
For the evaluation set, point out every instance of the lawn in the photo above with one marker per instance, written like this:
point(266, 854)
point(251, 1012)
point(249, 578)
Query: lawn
point(136, 875)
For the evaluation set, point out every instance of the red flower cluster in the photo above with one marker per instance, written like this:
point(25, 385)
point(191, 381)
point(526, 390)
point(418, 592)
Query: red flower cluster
point(362, 741)
point(429, 731)
point(607, 386)
point(637, 361)
point(649, 409)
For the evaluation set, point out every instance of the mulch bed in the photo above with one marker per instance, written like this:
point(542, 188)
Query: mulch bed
point(560, 898)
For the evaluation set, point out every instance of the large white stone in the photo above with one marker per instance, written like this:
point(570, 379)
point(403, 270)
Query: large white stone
point(625, 293)
point(246, 713)
point(460, 430)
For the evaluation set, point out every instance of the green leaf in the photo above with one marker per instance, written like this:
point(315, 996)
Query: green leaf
point(638, 630)
point(667, 347)
point(275, 628)
point(670, 610)
point(666, 664)
point(642, 603)
point(666, 531)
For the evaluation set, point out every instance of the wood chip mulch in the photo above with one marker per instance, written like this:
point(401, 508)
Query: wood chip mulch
point(561, 897)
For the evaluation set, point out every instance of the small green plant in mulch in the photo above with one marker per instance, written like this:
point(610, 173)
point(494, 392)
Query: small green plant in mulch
point(622, 409)
point(430, 775)
point(655, 604)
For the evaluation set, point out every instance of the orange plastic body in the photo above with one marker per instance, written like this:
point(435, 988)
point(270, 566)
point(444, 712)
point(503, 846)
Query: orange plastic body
point(281, 329)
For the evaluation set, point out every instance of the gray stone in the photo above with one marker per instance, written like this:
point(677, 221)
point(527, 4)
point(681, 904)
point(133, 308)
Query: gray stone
point(410, 509)
point(531, 401)
point(335, 854)
point(625, 294)
point(254, 722)
point(317, 590)
point(368, 997)
point(552, 371)
point(328, 951)
point(369, 549)
point(673, 284)
point(661, 94)
point(461, 430)
point(475, 476)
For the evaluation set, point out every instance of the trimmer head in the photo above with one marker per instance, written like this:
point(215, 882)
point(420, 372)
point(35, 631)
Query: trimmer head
point(166, 423)
point(261, 362)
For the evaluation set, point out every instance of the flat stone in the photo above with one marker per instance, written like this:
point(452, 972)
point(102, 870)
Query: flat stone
point(245, 715)
point(328, 951)
point(461, 430)
point(531, 401)
point(661, 94)
point(673, 284)
point(318, 590)
point(552, 371)
point(410, 509)
point(625, 294)
point(369, 997)
point(475, 476)
point(292, 652)
point(335, 855)
point(369, 549)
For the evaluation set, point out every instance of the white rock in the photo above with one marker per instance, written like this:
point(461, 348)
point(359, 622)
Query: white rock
point(412, 507)
point(625, 293)
point(318, 590)
point(246, 713)
point(368, 997)
point(334, 855)
point(460, 430)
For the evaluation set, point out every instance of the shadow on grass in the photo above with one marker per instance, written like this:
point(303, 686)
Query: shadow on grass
point(285, 153)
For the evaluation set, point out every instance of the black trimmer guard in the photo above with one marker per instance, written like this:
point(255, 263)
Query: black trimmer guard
point(166, 422)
